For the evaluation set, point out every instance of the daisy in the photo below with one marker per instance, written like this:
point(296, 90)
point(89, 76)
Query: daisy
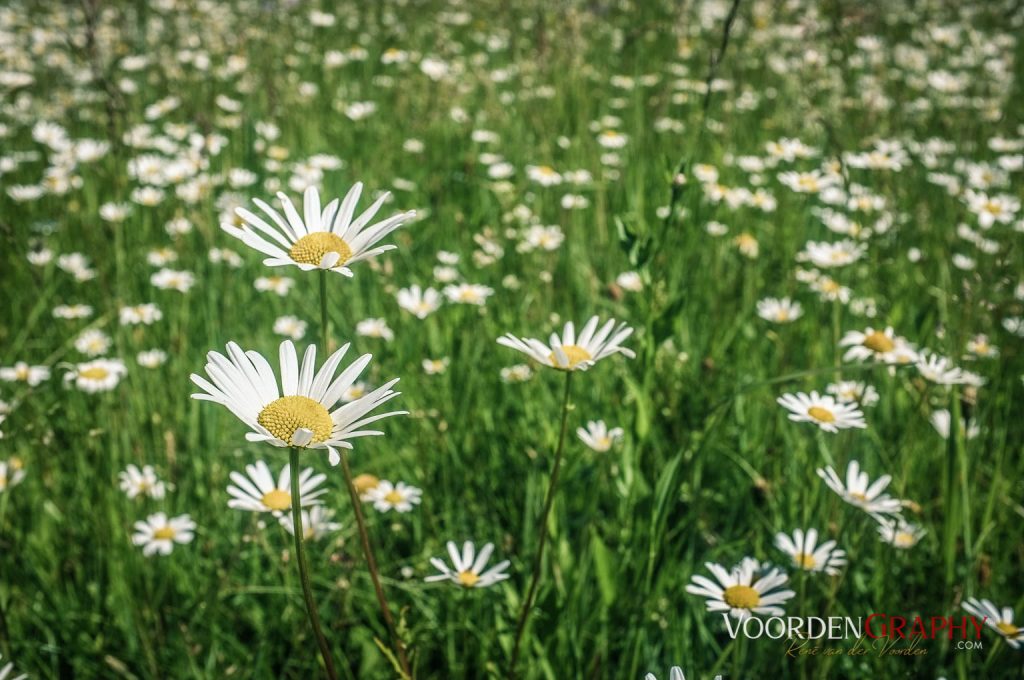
point(98, 375)
point(274, 284)
point(630, 281)
point(169, 279)
point(11, 474)
point(899, 533)
point(999, 620)
point(940, 420)
point(92, 342)
point(516, 374)
point(469, 567)
point(419, 302)
point(980, 347)
point(939, 370)
point(144, 482)
point(743, 591)
point(572, 353)
point(851, 391)
point(316, 523)
point(22, 372)
point(375, 328)
point(7, 669)
point(298, 414)
point(145, 314)
point(387, 496)
point(72, 311)
point(468, 293)
point(290, 327)
point(151, 358)
point(806, 553)
point(822, 410)
point(259, 493)
point(327, 238)
point(858, 493)
point(880, 345)
point(544, 175)
point(779, 310)
point(435, 366)
point(674, 673)
point(158, 533)
point(837, 254)
point(365, 483)
point(597, 435)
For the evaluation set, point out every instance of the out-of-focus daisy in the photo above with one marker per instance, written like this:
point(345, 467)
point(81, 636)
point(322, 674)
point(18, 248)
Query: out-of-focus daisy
point(571, 352)
point(92, 342)
point(72, 311)
point(146, 313)
point(7, 669)
point(169, 279)
point(22, 372)
point(375, 328)
point(468, 293)
point(98, 375)
point(290, 326)
point(939, 370)
point(743, 591)
point(135, 482)
point(630, 281)
point(598, 437)
point(274, 284)
point(11, 474)
point(851, 391)
point(398, 497)
point(674, 673)
point(316, 523)
point(364, 483)
point(779, 310)
point(880, 345)
point(900, 533)
point(822, 410)
point(857, 492)
point(980, 348)
point(841, 253)
point(151, 358)
point(258, 492)
point(468, 566)
point(331, 238)
point(435, 366)
point(999, 620)
point(419, 302)
point(297, 415)
point(807, 554)
point(940, 420)
point(544, 175)
point(158, 533)
point(517, 373)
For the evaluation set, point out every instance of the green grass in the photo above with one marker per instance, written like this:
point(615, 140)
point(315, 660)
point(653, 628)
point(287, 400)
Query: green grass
point(709, 469)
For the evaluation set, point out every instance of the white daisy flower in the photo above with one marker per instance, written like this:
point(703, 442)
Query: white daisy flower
point(516, 374)
point(743, 591)
point(399, 497)
point(22, 372)
point(807, 554)
point(435, 366)
point(92, 342)
point(940, 370)
point(851, 391)
point(135, 482)
point(147, 314)
point(999, 620)
point(597, 435)
point(900, 533)
point(571, 352)
point(260, 493)
point(858, 493)
point(880, 345)
point(822, 410)
point(151, 358)
point(940, 420)
point(331, 238)
point(469, 566)
point(779, 310)
point(674, 673)
point(299, 413)
point(290, 326)
point(158, 533)
point(11, 474)
point(980, 347)
point(838, 254)
point(98, 375)
point(274, 284)
point(468, 293)
point(419, 302)
point(375, 328)
point(316, 523)
point(72, 311)
point(169, 279)
point(7, 669)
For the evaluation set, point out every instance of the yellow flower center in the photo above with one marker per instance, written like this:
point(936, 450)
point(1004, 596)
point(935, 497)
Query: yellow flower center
point(394, 497)
point(858, 496)
point(904, 539)
point(805, 560)
point(782, 315)
point(365, 482)
point(468, 578)
point(879, 342)
point(166, 533)
point(741, 597)
point(1008, 629)
point(283, 416)
point(821, 414)
point(574, 353)
point(94, 373)
point(311, 248)
point(277, 499)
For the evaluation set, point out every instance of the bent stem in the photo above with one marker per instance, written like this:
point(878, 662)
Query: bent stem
point(542, 530)
point(300, 557)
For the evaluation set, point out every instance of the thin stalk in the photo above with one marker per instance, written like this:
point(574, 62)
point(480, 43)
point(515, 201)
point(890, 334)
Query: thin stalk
point(300, 558)
point(542, 530)
point(364, 536)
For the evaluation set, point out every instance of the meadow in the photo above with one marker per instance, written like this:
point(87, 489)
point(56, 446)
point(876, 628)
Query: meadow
point(798, 225)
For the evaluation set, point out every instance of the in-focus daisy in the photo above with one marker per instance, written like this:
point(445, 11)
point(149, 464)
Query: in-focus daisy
point(468, 570)
point(597, 435)
point(259, 493)
point(857, 492)
point(398, 497)
point(144, 482)
point(779, 310)
point(807, 554)
point(299, 413)
point(999, 620)
point(331, 238)
point(571, 352)
point(822, 410)
point(419, 302)
point(98, 375)
point(316, 523)
point(742, 592)
point(158, 533)
point(22, 372)
point(900, 533)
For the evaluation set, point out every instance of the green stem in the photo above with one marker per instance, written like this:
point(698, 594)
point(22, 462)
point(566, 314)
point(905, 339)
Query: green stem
point(300, 557)
point(542, 529)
